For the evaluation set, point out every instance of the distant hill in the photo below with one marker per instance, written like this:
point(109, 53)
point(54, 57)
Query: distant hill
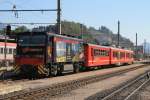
point(102, 36)
point(106, 37)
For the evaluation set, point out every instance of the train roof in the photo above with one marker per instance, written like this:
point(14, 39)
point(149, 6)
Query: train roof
point(109, 47)
point(8, 44)
point(97, 45)
point(63, 36)
point(121, 49)
point(50, 34)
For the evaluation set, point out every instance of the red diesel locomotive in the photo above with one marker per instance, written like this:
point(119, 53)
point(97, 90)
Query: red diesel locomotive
point(41, 53)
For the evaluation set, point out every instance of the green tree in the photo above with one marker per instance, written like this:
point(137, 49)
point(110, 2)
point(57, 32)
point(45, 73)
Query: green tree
point(21, 29)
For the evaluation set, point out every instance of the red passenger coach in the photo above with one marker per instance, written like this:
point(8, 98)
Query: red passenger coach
point(129, 57)
point(117, 56)
point(96, 55)
point(121, 56)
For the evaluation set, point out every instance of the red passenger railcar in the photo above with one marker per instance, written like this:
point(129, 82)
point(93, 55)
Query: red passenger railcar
point(117, 56)
point(121, 56)
point(96, 55)
point(129, 57)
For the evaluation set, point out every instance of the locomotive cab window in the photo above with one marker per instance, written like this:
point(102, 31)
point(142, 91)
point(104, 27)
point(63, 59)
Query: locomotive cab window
point(32, 40)
point(31, 45)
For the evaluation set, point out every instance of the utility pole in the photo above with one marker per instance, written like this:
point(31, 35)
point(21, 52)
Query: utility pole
point(136, 50)
point(5, 50)
point(7, 32)
point(118, 33)
point(144, 49)
point(81, 28)
point(58, 17)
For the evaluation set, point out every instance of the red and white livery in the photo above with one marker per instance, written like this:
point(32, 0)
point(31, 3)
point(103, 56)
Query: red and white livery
point(10, 52)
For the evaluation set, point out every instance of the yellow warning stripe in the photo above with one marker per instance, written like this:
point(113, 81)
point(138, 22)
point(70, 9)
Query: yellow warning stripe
point(40, 69)
point(16, 69)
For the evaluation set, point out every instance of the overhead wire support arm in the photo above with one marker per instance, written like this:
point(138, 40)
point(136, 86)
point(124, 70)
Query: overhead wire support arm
point(29, 10)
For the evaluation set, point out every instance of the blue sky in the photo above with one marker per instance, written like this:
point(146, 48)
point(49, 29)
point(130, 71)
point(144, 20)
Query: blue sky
point(133, 14)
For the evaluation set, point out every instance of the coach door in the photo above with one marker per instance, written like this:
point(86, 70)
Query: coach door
point(119, 55)
point(68, 52)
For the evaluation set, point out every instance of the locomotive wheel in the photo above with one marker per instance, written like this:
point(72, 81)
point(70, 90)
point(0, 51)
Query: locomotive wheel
point(60, 69)
point(54, 70)
point(76, 68)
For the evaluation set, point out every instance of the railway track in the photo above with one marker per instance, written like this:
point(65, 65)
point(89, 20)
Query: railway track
point(126, 91)
point(141, 93)
point(62, 88)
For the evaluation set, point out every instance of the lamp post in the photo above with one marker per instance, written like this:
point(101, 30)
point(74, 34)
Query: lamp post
point(136, 49)
point(81, 28)
point(118, 33)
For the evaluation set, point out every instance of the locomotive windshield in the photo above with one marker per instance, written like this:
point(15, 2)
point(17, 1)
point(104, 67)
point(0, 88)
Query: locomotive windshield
point(31, 45)
point(36, 40)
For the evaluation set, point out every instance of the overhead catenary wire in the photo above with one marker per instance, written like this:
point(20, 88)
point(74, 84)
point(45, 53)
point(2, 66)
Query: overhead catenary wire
point(28, 23)
point(29, 10)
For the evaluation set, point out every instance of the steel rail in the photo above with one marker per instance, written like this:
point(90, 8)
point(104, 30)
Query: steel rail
point(129, 96)
point(120, 89)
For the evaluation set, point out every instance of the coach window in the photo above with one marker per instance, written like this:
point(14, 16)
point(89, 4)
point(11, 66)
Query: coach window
point(103, 52)
point(14, 51)
point(5, 50)
point(107, 53)
point(99, 52)
point(10, 51)
point(1, 50)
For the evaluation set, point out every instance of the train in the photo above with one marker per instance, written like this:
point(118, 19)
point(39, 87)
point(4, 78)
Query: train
point(10, 53)
point(45, 53)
